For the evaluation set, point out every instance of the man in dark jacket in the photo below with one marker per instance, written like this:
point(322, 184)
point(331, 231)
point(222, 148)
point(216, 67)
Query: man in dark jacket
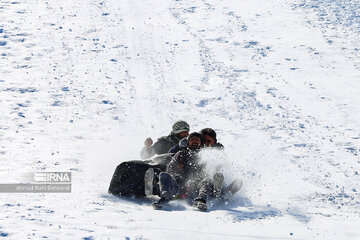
point(185, 168)
point(180, 130)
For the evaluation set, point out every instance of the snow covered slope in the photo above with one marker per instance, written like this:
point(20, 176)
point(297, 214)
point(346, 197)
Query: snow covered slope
point(83, 83)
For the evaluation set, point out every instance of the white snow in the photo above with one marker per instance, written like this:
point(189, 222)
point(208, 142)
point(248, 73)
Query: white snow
point(83, 83)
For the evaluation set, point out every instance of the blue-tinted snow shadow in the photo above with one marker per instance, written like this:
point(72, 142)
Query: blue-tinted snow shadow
point(121, 199)
point(241, 209)
point(253, 212)
point(298, 215)
point(176, 205)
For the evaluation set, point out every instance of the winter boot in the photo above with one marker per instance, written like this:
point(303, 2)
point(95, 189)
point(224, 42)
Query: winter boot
point(218, 184)
point(163, 201)
point(149, 181)
point(200, 204)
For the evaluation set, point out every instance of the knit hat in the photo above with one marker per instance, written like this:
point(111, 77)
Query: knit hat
point(180, 126)
point(195, 134)
point(210, 132)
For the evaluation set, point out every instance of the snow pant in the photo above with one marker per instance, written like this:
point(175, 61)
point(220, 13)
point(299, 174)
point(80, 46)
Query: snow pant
point(199, 190)
point(128, 178)
point(194, 189)
point(168, 186)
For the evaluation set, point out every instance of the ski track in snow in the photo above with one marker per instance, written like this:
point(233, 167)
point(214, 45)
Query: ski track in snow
point(82, 84)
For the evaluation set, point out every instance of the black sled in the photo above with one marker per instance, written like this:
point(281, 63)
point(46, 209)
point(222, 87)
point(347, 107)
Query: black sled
point(128, 178)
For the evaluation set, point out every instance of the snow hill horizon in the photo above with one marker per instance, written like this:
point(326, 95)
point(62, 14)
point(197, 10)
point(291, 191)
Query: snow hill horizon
point(83, 83)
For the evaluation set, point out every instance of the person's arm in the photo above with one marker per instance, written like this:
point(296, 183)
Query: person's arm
point(149, 151)
point(146, 152)
point(181, 145)
point(174, 149)
point(175, 169)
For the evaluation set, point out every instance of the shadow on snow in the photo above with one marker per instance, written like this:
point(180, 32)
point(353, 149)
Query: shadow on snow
point(239, 208)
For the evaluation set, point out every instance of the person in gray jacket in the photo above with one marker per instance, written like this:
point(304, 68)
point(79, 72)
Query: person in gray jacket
point(180, 130)
point(183, 170)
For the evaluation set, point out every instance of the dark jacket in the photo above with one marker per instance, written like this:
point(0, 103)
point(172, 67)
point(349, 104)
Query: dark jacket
point(184, 166)
point(180, 146)
point(161, 146)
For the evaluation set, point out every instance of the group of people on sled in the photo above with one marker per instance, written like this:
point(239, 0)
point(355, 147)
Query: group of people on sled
point(171, 168)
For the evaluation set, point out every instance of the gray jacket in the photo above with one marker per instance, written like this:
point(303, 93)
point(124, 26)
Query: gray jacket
point(161, 146)
point(185, 166)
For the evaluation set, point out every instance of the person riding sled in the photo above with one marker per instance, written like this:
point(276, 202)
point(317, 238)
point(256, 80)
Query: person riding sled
point(180, 130)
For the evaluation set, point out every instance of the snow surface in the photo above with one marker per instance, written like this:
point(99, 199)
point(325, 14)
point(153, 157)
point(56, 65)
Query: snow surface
point(83, 83)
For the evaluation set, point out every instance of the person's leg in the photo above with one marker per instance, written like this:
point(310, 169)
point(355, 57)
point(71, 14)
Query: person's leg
point(205, 188)
point(218, 185)
point(192, 190)
point(234, 187)
point(149, 181)
point(156, 187)
point(168, 186)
